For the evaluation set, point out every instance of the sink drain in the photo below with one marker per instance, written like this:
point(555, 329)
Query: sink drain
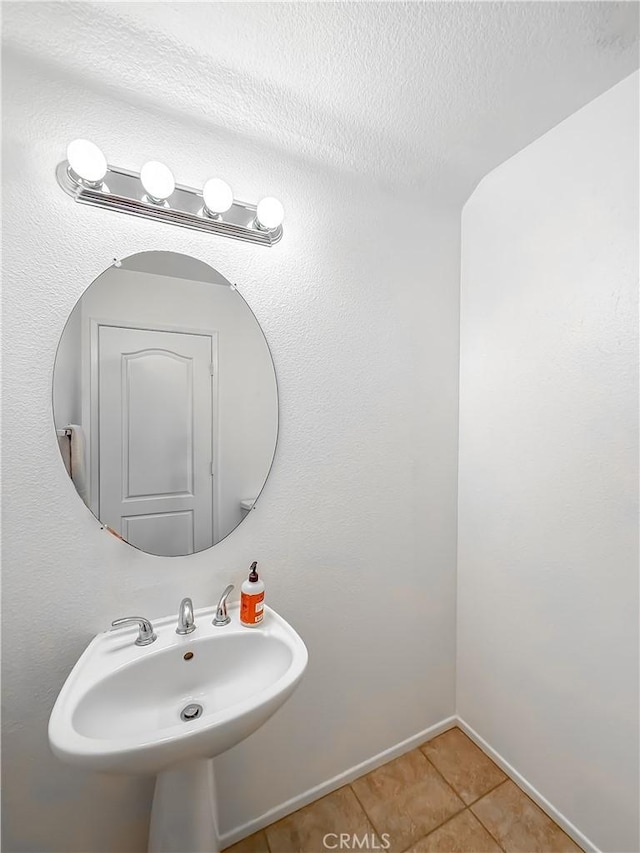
point(191, 712)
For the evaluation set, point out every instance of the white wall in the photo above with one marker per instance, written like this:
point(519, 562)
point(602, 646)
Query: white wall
point(548, 508)
point(359, 303)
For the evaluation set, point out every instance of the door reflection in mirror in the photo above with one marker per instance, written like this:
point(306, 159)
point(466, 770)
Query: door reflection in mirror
point(165, 403)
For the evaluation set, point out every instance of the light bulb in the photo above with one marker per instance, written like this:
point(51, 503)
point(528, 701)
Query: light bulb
point(269, 213)
point(157, 180)
point(217, 196)
point(87, 161)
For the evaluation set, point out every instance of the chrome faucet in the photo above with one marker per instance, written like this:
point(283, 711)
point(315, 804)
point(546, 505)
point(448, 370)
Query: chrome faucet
point(146, 634)
point(222, 617)
point(186, 622)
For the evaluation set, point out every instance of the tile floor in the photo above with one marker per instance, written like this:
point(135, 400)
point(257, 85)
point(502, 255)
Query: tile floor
point(445, 797)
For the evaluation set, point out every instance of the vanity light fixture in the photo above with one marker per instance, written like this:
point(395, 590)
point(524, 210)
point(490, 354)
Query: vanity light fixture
point(153, 194)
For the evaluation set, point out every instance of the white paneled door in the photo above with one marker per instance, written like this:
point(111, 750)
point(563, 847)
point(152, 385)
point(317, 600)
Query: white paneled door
point(156, 438)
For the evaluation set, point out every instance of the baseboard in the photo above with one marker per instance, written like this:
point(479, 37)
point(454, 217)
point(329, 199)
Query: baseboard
point(535, 795)
point(381, 758)
point(336, 782)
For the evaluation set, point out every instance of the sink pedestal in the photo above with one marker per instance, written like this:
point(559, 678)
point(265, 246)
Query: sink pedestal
point(183, 815)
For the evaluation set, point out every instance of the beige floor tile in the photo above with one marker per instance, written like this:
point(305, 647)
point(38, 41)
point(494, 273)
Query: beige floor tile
point(518, 824)
point(256, 843)
point(462, 834)
point(304, 830)
point(464, 765)
point(406, 799)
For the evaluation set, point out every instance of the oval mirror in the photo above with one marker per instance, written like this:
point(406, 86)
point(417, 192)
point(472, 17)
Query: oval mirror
point(165, 403)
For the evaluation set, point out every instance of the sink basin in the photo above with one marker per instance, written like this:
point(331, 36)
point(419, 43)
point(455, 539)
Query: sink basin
point(120, 708)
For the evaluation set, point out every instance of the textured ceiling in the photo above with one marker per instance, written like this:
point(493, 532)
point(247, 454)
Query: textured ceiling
point(423, 97)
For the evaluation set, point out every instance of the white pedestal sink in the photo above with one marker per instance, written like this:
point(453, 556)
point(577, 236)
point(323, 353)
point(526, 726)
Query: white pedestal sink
point(120, 711)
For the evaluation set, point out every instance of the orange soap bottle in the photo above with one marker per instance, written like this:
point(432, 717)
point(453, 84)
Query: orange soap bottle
point(252, 599)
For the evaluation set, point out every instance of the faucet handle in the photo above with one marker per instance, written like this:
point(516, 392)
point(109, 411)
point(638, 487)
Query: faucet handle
point(146, 634)
point(222, 617)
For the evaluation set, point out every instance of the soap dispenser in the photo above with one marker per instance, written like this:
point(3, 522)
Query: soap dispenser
point(252, 599)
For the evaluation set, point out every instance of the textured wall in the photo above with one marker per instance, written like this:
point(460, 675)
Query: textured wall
point(548, 507)
point(359, 303)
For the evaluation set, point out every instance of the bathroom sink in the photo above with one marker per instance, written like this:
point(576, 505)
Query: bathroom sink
point(120, 708)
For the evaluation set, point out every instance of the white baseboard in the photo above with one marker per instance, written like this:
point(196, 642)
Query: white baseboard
point(535, 795)
point(336, 782)
point(381, 758)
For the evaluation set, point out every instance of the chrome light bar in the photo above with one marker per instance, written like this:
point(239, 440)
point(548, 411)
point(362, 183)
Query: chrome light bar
point(121, 190)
